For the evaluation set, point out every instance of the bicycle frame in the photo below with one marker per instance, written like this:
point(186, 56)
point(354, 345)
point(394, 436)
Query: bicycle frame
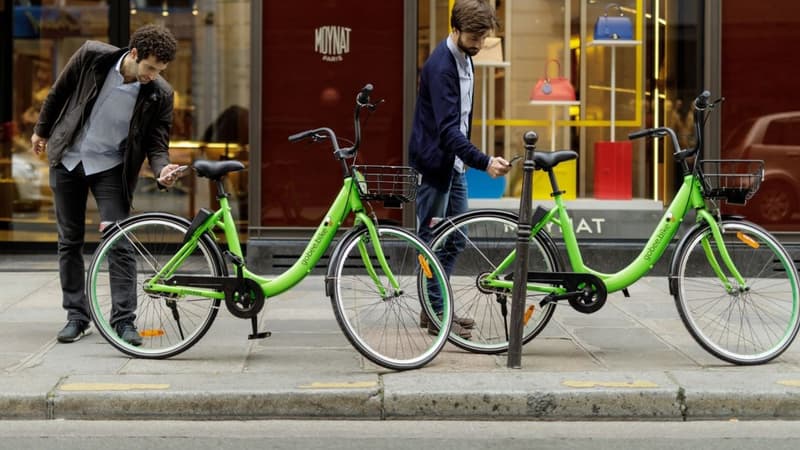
point(689, 196)
point(347, 201)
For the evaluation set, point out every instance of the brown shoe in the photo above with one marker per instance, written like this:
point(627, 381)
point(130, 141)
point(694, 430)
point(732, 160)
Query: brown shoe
point(465, 322)
point(462, 332)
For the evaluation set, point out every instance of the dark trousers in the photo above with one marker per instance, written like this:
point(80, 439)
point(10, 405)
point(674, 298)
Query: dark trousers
point(432, 206)
point(71, 191)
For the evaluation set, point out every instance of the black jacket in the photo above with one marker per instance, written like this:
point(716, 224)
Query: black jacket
point(70, 101)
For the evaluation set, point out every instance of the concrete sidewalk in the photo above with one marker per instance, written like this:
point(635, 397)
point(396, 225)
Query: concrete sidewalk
point(631, 360)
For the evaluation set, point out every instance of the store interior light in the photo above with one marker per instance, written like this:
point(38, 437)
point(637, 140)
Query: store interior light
point(133, 8)
point(195, 11)
point(164, 9)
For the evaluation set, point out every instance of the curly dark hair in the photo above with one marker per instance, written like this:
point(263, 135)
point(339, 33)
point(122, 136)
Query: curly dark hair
point(154, 40)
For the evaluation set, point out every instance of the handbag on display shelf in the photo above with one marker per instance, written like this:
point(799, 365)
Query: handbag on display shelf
point(555, 88)
point(614, 27)
point(492, 51)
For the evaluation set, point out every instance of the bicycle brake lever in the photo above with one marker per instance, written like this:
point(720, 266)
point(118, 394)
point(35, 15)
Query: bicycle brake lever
point(373, 106)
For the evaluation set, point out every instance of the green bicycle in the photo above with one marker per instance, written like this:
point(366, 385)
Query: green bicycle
point(735, 286)
point(169, 275)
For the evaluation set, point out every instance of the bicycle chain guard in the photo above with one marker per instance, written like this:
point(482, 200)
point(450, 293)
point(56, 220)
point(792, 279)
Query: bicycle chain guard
point(244, 299)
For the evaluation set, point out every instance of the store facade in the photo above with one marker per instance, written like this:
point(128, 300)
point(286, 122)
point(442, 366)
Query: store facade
point(248, 74)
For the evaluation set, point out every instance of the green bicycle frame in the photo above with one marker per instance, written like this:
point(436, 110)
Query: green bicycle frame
point(690, 196)
point(346, 201)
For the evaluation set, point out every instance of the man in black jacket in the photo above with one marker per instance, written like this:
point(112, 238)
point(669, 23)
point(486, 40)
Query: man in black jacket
point(106, 112)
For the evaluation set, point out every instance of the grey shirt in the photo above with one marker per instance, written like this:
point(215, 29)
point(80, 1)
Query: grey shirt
point(98, 144)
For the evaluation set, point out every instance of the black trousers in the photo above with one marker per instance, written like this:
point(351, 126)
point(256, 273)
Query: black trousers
point(71, 192)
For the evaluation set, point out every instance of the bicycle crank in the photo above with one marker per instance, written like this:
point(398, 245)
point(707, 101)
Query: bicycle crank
point(245, 299)
point(586, 293)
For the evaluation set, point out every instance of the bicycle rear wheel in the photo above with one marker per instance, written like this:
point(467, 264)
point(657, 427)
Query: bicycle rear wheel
point(470, 247)
point(380, 321)
point(133, 252)
point(749, 324)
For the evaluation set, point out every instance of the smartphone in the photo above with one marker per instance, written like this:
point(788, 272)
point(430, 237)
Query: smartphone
point(177, 173)
point(180, 170)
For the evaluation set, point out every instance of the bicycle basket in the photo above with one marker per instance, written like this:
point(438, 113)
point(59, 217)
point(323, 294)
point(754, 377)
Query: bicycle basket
point(734, 180)
point(393, 185)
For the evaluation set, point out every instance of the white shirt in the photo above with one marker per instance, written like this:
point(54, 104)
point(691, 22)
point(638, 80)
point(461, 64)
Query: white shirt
point(466, 86)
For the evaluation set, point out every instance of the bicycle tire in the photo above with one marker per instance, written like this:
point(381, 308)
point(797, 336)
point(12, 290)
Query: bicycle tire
point(489, 236)
point(744, 327)
point(384, 327)
point(168, 325)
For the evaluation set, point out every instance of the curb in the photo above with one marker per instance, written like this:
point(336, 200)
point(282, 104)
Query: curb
point(439, 396)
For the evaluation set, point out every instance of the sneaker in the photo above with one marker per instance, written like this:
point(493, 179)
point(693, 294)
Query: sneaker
point(465, 322)
point(73, 331)
point(462, 332)
point(127, 331)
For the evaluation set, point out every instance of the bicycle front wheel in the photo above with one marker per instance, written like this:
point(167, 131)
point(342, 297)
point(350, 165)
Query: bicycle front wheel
point(742, 324)
point(471, 247)
point(133, 252)
point(379, 312)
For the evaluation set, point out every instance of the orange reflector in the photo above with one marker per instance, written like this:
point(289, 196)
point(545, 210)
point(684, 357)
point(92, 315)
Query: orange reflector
point(426, 269)
point(528, 314)
point(151, 333)
point(747, 239)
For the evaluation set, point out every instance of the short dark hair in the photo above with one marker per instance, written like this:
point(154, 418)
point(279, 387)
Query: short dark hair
point(154, 40)
point(473, 16)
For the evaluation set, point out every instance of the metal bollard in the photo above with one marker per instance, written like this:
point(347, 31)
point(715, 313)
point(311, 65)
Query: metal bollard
point(519, 291)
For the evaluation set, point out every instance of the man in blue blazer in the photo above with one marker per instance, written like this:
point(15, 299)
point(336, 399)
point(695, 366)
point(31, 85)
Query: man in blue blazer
point(440, 147)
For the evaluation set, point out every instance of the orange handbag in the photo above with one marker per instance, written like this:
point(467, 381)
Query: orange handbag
point(555, 88)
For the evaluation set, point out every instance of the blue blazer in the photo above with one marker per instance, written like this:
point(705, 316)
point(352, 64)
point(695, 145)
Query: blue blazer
point(435, 135)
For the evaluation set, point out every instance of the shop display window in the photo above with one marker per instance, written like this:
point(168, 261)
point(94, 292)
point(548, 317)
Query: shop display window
point(210, 77)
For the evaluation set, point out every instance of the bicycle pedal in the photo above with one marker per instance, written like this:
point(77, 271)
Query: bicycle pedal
point(262, 335)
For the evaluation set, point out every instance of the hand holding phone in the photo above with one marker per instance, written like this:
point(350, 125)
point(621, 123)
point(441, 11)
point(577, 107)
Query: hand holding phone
point(179, 172)
point(171, 177)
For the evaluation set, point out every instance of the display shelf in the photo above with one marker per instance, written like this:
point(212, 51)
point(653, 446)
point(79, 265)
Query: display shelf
point(613, 44)
point(553, 104)
point(485, 65)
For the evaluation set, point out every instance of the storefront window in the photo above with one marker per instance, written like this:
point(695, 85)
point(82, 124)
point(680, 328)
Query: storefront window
point(44, 37)
point(210, 76)
point(211, 79)
point(646, 78)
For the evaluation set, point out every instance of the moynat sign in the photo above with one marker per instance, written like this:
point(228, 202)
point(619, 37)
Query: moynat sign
point(332, 42)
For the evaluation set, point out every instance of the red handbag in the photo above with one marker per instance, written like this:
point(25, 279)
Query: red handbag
point(556, 88)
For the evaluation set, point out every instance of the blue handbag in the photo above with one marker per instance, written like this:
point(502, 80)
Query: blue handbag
point(613, 27)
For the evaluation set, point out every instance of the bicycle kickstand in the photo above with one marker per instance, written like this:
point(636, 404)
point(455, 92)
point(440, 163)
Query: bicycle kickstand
point(238, 263)
point(256, 334)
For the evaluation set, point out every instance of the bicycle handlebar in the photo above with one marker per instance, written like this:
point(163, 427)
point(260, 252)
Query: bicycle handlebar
point(318, 134)
point(700, 104)
point(301, 135)
point(636, 134)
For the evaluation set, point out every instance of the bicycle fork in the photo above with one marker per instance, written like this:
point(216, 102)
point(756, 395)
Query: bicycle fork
point(372, 232)
point(724, 255)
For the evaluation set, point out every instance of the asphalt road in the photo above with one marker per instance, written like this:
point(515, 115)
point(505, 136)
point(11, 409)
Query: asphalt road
point(412, 435)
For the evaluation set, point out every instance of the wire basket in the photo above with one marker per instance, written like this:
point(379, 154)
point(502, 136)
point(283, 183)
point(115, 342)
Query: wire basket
point(394, 185)
point(734, 180)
